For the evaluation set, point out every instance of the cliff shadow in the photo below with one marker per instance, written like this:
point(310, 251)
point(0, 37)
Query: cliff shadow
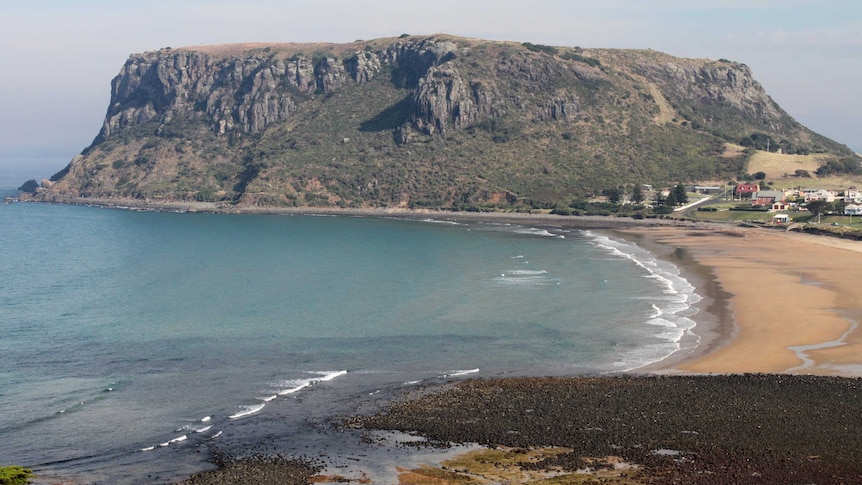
point(390, 118)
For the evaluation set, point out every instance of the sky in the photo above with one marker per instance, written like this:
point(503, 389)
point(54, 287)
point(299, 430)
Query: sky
point(58, 57)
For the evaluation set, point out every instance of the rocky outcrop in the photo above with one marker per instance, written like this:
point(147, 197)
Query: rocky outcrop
point(702, 89)
point(444, 100)
point(247, 94)
point(725, 84)
point(250, 93)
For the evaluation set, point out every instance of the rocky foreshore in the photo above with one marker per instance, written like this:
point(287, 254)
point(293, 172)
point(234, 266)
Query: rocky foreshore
point(256, 470)
point(718, 429)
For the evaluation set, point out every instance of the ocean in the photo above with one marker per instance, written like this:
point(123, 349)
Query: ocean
point(135, 342)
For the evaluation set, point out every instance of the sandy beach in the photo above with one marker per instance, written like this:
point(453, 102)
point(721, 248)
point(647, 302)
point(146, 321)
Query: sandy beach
point(794, 301)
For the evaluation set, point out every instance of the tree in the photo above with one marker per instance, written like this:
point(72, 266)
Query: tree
point(680, 194)
point(614, 195)
point(817, 207)
point(637, 194)
point(671, 200)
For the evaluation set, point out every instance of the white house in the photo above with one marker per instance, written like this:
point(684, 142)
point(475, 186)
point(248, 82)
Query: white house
point(824, 195)
point(853, 196)
point(853, 210)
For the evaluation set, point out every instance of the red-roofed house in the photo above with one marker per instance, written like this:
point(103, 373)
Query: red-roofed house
point(746, 190)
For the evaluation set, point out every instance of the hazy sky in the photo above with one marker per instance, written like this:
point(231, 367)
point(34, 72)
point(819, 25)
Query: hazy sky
point(58, 57)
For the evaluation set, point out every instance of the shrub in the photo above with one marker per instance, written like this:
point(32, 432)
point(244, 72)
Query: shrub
point(15, 475)
point(571, 56)
point(540, 48)
point(842, 165)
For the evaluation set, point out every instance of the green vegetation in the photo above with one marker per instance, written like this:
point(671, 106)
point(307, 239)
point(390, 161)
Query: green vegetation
point(571, 56)
point(844, 165)
point(15, 475)
point(541, 48)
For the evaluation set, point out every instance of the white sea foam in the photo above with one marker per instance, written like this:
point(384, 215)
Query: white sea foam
point(459, 373)
point(204, 430)
point(149, 448)
point(532, 231)
point(438, 221)
point(205, 419)
point(294, 386)
point(179, 439)
point(526, 272)
point(328, 376)
point(217, 435)
point(671, 312)
point(247, 411)
point(526, 278)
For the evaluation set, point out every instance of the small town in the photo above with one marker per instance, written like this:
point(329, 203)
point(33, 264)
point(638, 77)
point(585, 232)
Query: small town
point(777, 206)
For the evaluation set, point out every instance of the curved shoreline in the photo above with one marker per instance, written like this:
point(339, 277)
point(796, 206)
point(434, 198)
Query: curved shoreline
point(715, 255)
point(793, 299)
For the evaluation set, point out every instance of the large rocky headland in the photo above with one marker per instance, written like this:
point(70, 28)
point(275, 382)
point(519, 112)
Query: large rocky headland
point(417, 122)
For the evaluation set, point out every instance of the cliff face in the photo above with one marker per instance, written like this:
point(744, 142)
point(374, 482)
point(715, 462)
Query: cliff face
point(250, 93)
point(418, 121)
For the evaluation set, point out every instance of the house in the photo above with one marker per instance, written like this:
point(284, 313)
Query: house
point(746, 190)
point(767, 197)
point(780, 219)
point(853, 210)
point(853, 196)
point(820, 194)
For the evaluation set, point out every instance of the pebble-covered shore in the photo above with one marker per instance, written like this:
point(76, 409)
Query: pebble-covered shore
point(256, 470)
point(753, 428)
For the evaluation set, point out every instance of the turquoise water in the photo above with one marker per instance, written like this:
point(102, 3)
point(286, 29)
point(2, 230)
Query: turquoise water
point(135, 341)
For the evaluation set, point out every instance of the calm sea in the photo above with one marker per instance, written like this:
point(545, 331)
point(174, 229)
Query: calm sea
point(133, 342)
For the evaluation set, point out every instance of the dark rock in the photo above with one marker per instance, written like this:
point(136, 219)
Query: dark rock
point(29, 187)
point(682, 429)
